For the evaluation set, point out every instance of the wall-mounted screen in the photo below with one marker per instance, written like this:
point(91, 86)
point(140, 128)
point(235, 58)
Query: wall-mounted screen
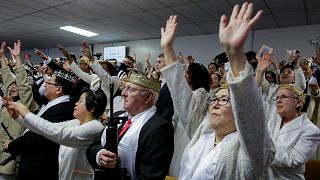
point(116, 52)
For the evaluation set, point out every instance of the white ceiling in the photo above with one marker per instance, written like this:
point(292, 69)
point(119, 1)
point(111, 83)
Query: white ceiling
point(36, 22)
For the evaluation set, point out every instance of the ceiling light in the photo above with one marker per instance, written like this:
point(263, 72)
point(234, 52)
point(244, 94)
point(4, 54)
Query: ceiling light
point(79, 31)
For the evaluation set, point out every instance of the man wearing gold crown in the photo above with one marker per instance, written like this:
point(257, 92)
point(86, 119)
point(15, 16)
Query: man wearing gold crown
point(145, 141)
point(39, 156)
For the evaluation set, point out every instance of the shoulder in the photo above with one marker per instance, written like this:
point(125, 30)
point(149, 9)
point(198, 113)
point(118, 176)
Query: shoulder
point(156, 121)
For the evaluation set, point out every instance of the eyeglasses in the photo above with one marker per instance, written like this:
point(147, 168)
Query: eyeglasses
point(131, 89)
point(53, 84)
point(221, 100)
point(284, 98)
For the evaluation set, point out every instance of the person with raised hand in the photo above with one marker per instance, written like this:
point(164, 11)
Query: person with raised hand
point(231, 141)
point(19, 90)
point(74, 136)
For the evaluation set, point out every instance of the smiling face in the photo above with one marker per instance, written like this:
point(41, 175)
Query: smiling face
point(214, 80)
point(221, 116)
point(307, 70)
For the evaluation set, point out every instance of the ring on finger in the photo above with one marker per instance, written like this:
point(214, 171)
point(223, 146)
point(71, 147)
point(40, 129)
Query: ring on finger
point(247, 19)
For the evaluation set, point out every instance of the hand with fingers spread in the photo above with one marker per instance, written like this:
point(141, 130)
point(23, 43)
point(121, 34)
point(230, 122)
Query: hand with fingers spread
point(41, 54)
point(15, 52)
point(16, 49)
point(264, 62)
point(233, 34)
point(107, 159)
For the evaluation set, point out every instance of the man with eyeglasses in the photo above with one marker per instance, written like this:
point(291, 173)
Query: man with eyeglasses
point(146, 141)
point(39, 156)
point(294, 136)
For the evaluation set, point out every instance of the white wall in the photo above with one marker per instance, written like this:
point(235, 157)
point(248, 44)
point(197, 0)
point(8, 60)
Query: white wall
point(204, 47)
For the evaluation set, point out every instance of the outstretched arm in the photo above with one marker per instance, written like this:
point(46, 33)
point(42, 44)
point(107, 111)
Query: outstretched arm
point(234, 32)
point(168, 36)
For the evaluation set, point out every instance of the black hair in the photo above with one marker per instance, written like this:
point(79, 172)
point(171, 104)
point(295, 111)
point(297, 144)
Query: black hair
point(215, 64)
point(286, 66)
point(66, 85)
point(273, 74)
point(96, 101)
point(199, 76)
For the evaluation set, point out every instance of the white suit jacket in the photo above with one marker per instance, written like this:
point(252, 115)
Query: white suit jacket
point(295, 144)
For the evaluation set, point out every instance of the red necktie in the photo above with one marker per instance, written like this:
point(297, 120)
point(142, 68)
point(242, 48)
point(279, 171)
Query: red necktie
point(125, 128)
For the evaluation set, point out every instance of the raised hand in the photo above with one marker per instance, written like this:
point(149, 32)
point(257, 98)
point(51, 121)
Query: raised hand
point(168, 33)
point(86, 49)
point(16, 108)
point(264, 62)
point(234, 32)
point(64, 51)
point(180, 58)
point(41, 54)
point(147, 58)
point(2, 54)
point(16, 49)
point(3, 49)
point(7, 102)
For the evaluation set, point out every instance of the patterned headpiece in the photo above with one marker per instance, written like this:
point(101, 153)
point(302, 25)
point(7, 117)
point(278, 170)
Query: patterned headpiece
point(28, 68)
point(144, 80)
point(294, 89)
point(306, 61)
point(65, 75)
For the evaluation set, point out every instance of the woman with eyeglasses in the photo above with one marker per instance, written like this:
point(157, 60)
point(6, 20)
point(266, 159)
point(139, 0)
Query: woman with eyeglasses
point(74, 136)
point(294, 136)
point(231, 141)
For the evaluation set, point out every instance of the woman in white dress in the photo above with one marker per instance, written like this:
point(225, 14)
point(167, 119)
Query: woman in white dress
point(74, 135)
point(232, 140)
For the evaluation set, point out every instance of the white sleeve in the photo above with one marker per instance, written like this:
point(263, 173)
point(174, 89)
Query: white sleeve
point(190, 106)
point(68, 133)
point(249, 114)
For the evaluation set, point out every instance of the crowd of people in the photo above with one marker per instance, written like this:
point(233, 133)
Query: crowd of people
point(242, 117)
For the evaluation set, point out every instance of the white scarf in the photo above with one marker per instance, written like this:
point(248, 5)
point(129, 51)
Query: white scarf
point(128, 145)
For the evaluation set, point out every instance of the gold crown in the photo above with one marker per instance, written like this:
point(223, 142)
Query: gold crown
point(86, 59)
point(295, 89)
point(306, 61)
point(145, 80)
point(224, 86)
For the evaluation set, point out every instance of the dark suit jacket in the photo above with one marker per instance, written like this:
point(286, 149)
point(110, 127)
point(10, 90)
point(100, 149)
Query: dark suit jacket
point(154, 153)
point(39, 156)
point(164, 104)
